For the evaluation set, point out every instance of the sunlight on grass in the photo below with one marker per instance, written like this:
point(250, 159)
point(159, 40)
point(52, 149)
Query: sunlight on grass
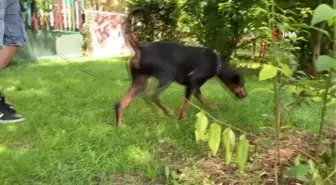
point(57, 63)
point(11, 128)
point(37, 92)
point(138, 155)
point(3, 149)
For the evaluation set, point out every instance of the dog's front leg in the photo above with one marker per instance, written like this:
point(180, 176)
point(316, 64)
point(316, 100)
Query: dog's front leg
point(200, 97)
point(198, 94)
point(185, 104)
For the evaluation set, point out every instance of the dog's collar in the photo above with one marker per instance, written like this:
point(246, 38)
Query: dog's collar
point(219, 66)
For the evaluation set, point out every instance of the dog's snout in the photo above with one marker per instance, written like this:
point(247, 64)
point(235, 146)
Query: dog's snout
point(240, 92)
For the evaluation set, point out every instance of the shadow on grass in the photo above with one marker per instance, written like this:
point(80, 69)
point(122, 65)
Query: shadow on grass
point(70, 137)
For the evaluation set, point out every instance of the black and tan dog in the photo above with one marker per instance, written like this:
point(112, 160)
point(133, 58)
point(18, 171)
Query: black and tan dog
point(171, 62)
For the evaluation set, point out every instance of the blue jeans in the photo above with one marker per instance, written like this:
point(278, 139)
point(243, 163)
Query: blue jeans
point(12, 31)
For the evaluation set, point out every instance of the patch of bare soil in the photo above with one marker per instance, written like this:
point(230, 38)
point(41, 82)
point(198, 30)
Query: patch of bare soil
point(207, 170)
point(260, 168)
point(131, 178)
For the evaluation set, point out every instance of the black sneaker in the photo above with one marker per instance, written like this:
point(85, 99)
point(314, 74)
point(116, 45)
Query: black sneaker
point(7, 113)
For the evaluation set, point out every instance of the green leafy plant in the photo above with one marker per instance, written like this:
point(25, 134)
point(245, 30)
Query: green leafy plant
point(315, 173)
point(201, 126)
point(215, 137)
point(216, 24)
point(242, 152)
point(280, 69)
point(229, 141)
point(325, 63)
point(320, 173)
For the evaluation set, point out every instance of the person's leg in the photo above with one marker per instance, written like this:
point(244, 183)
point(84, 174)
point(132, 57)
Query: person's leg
point(12, 36)
point(6, 54)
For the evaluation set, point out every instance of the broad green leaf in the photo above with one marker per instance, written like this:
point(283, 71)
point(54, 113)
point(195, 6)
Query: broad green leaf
point(307, 93)
point(264, 28)
point(311, 164)
point(286, 70)
point(331, 21)
point(319, 180)
point(201, 126)
point(299, 172)
point(316, 174)
point(214, 138)
point(229, 140)
point(298, 160)
point(242, 153)
point(322, 13)
point(299, 39)
point(290, 12)
point(256, 90)
point(321, 30)
point(325, 63)
point(331, 103)
point(317, 99)
point(259, 9)
point(300, 25)
point(167, 172)
point(267, 72)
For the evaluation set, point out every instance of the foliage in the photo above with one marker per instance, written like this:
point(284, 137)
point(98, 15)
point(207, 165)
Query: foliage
point(214, 138)
point(43, 6)
point(227, 138)
point(229, 141)
point(315, 173)
point(216, 24)
point(324, 64)
point(163, 19)
point(201, 126)
point(242, 153)
point(277, 70)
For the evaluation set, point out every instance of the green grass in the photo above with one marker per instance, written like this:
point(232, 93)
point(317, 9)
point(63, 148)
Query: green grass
point(70, 137)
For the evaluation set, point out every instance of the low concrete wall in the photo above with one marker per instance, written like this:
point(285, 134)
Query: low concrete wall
point(46, 44)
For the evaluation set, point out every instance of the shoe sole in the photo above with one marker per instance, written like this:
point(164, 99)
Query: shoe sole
point(11, 121)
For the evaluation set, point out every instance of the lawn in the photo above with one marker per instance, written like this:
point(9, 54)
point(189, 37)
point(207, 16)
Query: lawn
point(69, 136)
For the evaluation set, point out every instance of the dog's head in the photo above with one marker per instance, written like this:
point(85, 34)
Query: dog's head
point(233, 80)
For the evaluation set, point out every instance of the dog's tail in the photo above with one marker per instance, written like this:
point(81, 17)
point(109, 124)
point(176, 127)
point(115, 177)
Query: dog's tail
point(128, 35)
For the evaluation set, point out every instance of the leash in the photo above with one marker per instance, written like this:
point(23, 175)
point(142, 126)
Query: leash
point(144, 95)
point(219, 65)
point(89, 72)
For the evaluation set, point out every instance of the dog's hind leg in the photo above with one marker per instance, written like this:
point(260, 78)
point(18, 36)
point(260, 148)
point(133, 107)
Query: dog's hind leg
point(198, 94)
point(139, 84)
point(149, 101)
point(163, 84)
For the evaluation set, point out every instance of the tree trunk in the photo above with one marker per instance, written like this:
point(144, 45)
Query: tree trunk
point(315, 45)
point(254, 43)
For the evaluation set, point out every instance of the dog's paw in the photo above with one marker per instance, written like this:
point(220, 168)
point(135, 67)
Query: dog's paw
point(182, 117)
point(171, 113)
point(122, 126)
point(159, 113)
point(213, 106)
